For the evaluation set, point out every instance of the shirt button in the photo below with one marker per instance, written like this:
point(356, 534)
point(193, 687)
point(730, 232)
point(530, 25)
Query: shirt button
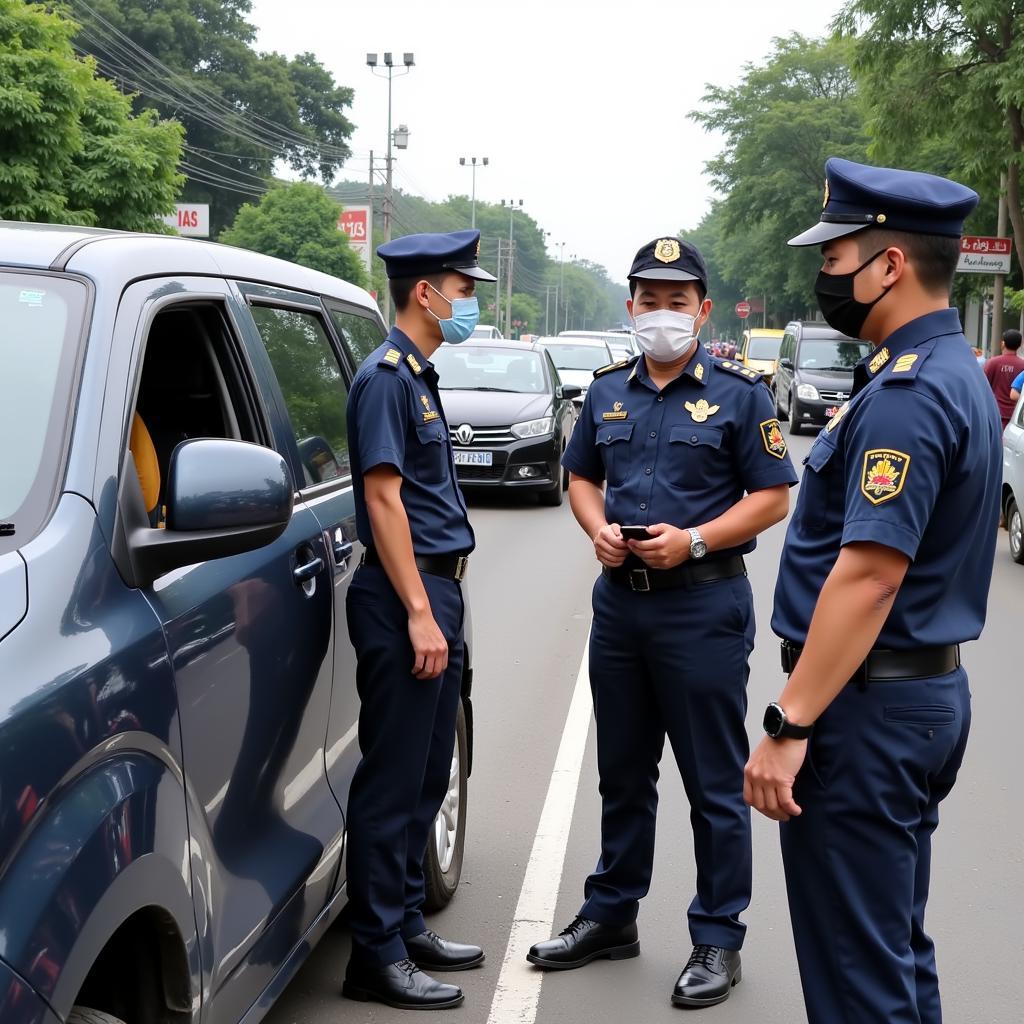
point(661, 398)
point(694, 439)
point(648, 470)
point(643, 505)
point(654, 433)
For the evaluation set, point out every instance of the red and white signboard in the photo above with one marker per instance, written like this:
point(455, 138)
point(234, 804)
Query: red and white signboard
point(743, 310)
point(982, 255)
point(357, 223)
point(192, 219)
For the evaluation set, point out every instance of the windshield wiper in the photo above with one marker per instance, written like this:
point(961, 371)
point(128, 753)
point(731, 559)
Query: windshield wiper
point(6, 529)
point(506, 391)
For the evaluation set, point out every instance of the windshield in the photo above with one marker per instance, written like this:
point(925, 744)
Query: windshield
point(578, 357)
point(764, 348)
point(469, 368)
point(42, 320)
point(831, 353)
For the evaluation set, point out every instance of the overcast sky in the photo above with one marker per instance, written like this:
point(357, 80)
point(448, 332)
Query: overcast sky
point(580, 104)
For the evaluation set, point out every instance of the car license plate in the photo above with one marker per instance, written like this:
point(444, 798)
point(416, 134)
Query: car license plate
point(831, 411)
point(468, 458)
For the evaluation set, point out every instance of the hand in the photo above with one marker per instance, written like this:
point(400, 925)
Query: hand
point(610, 548)
point(670, 547)
point(769, 776)
point(430, 649)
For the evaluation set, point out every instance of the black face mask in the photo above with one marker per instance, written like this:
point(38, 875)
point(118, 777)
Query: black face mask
point(838, 306)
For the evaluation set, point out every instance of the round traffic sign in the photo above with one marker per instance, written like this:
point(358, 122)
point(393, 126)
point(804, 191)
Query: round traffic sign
point(743, 310)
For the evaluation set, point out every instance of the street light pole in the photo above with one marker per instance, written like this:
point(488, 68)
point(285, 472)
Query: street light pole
point(561, 286)
point(510, 263)
point(389, 200)
point(472, 164)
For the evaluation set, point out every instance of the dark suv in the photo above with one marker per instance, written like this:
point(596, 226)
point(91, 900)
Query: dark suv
point(177, 533)
point(814, 376)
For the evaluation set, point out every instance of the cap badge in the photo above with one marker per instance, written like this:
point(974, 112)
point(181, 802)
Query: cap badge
point(667, 250)
point(828, 195)
point(478, 248)
point(700, 412)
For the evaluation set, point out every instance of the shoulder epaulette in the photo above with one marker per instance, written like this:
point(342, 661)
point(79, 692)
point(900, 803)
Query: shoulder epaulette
point(391, 358)
point(905, 367)
point(620, 365)
point(749, 375)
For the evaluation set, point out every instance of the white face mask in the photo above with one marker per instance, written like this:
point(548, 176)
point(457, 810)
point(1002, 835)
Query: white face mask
point(664, 334)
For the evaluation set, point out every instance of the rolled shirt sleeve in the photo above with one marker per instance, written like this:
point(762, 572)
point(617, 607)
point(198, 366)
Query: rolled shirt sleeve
point(383, 420)
point(581, 456)
point(760, 452)
point(899, 448)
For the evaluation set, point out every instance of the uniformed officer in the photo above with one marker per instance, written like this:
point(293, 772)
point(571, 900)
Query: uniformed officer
point(885, 572)
point(691, 456)
point(405, 617)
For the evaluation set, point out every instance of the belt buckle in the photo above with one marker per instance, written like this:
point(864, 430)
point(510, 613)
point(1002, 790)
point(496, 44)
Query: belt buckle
point(639, 581)
point(461, 565)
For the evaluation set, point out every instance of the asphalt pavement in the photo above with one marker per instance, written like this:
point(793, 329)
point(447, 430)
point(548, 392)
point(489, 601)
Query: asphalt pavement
point(530, 587)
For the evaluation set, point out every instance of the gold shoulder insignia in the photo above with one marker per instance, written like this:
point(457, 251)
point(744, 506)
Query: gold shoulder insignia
point(907, 366)
point(391, 358)
point(904, 362)
point(743, 372)
point(834, 422)
point(414, 363)
point(602, 370)
point(881, 358)
point(699, 372)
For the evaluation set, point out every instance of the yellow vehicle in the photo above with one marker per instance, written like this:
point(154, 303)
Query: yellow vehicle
point(760, 350)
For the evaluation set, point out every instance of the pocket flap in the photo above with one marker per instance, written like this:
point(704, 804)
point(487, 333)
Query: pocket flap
point(609, 433)
point(820, 454)
point(696, 435)
point(431, 432)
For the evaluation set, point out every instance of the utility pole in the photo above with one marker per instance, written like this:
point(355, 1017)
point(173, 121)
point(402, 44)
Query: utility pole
point(399, 139)
point(472, 164)
point(561, 285)
point(497, 290)
point(510, 263)
point(1000, 279)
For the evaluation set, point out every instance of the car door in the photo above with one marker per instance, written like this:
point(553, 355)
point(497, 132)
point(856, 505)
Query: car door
point(250, 639)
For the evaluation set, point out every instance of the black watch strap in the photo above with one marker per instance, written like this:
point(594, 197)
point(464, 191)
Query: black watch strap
point(778, 727)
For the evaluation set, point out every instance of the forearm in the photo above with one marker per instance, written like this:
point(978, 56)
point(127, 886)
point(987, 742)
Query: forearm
point(751, 515)
point(586, 499)
point(393, 541)
point(851, 611)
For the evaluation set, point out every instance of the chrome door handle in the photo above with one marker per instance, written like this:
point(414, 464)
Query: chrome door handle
point(304, 573)
point(342, 550)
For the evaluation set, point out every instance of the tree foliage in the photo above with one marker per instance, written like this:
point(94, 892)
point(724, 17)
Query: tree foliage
point(70, 149)
point(298, 222)
point(243, 111)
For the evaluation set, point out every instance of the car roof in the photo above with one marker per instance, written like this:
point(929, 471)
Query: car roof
point(764, 332)
point(600, 335)
point(123, 256)
point(500, 343)
point(820, 329)
point(561, 339)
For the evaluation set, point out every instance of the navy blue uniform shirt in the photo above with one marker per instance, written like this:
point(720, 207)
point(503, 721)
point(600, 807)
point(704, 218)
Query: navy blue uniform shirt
point(913, 461)
point(682, 455)
point(395, 418)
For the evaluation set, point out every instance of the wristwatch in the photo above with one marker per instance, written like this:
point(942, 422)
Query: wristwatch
point(698, 548)
point(779, 727)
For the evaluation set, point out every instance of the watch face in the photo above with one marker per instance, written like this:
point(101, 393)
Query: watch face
point(774, 719)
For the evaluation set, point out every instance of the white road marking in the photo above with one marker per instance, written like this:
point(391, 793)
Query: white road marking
point(518, 990)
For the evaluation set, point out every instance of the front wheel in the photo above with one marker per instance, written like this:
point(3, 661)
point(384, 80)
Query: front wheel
point(83, 1015)
point(552, 497)
point(779, 414)
point(1015, 528)
point(442, 865)
point(795, 426)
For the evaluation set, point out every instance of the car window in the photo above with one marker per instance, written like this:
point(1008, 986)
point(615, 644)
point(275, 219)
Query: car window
point(475, 368)
point(579, 357)
point(359, 334)
point(763, 348)
point(831, 353)
point(42, 321)
point(314, 390)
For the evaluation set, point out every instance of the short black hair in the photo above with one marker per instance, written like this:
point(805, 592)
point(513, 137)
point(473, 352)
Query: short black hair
point(1011, 339)
point(934, 257)
point(634, 283)
point(401, 288)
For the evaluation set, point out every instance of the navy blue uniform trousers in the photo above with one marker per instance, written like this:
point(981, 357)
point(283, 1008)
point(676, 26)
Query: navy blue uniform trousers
point(673, 662)
point(858, 858)
point(406, 737)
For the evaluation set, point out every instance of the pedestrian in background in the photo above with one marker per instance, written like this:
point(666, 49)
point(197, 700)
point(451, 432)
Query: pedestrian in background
point(1002, 370)
point(884, 573)
point(677, 463)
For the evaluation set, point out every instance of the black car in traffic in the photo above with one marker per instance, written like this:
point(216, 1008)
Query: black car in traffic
point(509, 415)
point(814, 375)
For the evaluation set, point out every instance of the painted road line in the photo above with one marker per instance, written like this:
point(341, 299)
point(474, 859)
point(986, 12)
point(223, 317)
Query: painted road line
point(518, 990)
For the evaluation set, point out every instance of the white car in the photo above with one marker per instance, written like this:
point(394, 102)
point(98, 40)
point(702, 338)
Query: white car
point(576, 360)
point(621, 344)
point(1013, 481)
point(486, 332)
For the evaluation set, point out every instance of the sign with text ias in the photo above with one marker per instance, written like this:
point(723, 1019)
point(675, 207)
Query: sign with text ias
point(357, 223)
point(982, 255)
point(192, 219)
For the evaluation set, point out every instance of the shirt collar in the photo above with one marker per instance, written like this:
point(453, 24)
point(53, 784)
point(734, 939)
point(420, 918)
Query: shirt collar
point(911, 335)
point(697, 369)
point(411, 355)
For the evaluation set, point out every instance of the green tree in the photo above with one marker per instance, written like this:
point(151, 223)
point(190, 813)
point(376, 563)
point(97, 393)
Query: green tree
point(298, 222)
point(243, 111)
point(780, 124)
point(70, 149)
point(949, 70)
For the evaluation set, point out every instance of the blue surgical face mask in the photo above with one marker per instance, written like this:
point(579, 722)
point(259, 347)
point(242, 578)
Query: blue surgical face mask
point(461, 324)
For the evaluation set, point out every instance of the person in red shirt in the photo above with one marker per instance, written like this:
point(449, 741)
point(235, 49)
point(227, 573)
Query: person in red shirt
point(1002, 371)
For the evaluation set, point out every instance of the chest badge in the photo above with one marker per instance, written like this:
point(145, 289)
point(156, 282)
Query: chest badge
point(617, 413)
point(774, 442)
point(430, 415)
point(885, 473)
point(700, 412)
point(881, 358)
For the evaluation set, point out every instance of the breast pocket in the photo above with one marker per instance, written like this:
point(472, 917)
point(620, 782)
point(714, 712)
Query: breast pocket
point(613, 446)
point(819, 489)
point(430, 463)
point(695, 452)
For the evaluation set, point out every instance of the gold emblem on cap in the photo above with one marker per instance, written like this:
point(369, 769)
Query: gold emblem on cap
point(701, 411)
point(478, 248)
point(667, 250)
point(828, 195)
point(880, 219)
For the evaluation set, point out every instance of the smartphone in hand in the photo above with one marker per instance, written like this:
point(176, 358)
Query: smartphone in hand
point(635, 533)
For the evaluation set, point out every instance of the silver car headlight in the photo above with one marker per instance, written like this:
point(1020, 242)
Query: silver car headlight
point(534, 428)
point(808, 392)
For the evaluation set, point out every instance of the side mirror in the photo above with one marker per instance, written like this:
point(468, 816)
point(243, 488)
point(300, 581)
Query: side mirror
point(786, 364)
point(223, 498)
point(569, 391)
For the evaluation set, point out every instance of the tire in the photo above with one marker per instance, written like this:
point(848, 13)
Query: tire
point(1014, 527)
point(795, 426)
point(83, 1015)
point(552, 497)
point(781, 416)
point(442, 864)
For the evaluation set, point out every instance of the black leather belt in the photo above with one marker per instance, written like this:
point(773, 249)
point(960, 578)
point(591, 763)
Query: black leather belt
point(881, 665)
point(451, 567)
point(688, 575)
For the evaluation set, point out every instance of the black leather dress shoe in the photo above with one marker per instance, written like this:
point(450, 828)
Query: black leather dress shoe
point(433, 953)
point(401, 985)
point(584, 941)
point(708, 977)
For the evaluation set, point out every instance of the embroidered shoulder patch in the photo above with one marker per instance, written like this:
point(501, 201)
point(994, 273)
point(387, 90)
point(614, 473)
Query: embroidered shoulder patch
point(774, 442)
point(884, 474)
